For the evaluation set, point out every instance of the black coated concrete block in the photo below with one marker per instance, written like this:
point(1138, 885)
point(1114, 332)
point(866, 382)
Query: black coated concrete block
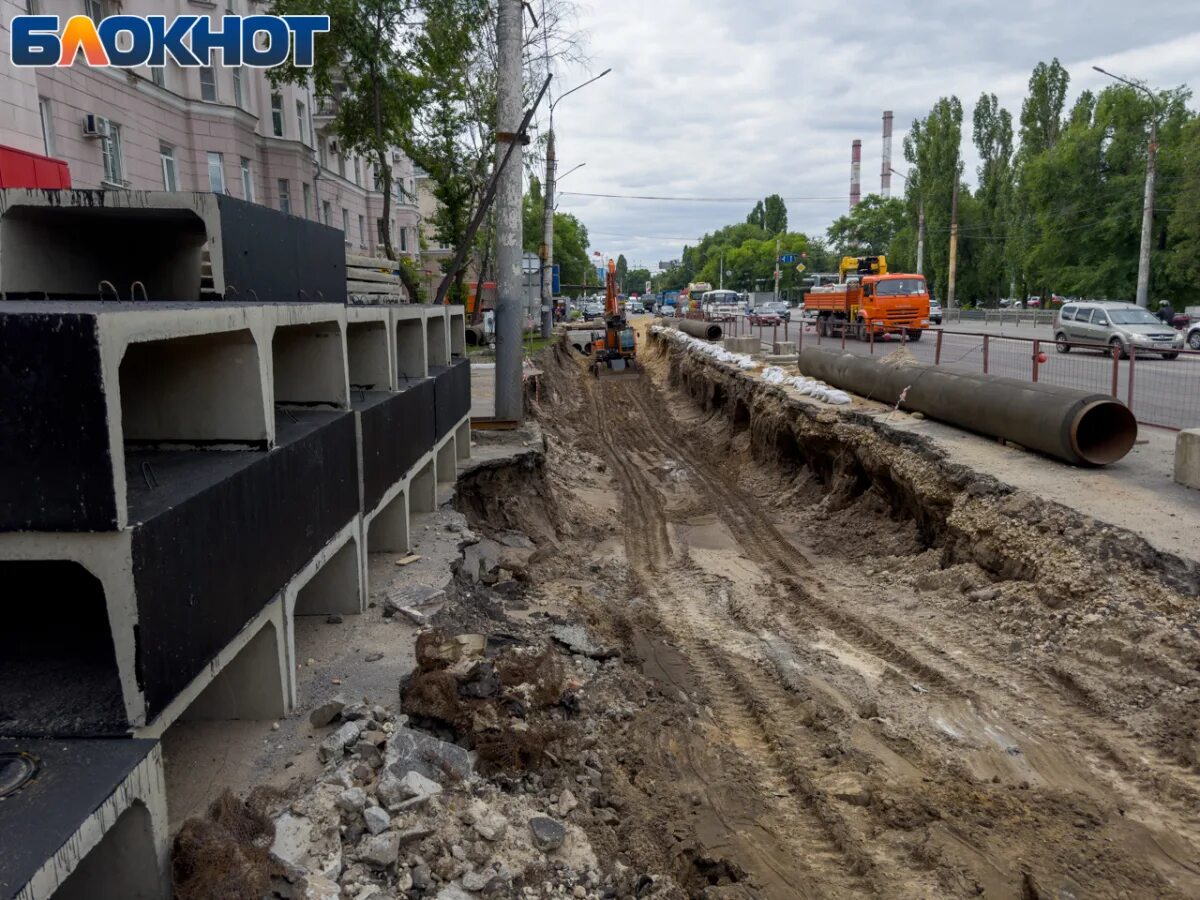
point(54, 443)
point(397, 429)
point(278, 258)
point(219, 537)
point(452, 395)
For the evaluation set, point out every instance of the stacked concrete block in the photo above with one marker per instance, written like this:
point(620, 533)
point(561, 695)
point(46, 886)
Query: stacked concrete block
point(185, 477)
point(750, 345)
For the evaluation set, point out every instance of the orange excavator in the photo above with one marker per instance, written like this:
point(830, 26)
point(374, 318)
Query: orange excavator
point(616, 353)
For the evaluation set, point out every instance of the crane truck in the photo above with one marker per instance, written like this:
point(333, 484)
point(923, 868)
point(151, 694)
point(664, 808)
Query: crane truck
point(867, 298)
point(616, 351)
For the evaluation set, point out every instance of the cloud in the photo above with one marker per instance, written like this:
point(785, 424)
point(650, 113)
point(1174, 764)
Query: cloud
point(713, 99)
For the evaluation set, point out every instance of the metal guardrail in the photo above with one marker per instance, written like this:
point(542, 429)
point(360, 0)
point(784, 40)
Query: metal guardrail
point(1001, 316)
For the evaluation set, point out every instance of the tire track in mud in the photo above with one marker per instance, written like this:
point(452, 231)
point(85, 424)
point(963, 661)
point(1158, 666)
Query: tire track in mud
point(832, 863)
point(1161, 791)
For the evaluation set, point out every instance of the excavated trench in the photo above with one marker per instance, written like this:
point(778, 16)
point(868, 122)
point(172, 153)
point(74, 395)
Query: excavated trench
point(873, 671)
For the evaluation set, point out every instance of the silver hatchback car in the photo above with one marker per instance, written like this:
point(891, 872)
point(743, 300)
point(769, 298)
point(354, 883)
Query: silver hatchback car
point(1119, 326)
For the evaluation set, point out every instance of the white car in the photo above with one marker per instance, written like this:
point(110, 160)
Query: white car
point(667, 312)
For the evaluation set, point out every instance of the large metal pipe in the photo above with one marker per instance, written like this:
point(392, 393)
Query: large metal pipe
point(1078, 427)
point(710, 331)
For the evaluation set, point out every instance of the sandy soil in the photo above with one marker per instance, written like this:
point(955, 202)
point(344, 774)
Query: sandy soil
point(894, 677)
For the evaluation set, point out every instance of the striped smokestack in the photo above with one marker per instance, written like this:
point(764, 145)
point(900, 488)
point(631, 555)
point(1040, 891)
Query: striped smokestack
point(855, 173)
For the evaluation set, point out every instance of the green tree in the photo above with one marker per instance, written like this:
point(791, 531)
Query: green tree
point(993, 136)
point(635, 280)
point(869, 228)
point(366, 64)
point(1041, 113)
point(622, 270)
point(570, 236)
point(1182, 262)
point(775, 217)
point(932, 151)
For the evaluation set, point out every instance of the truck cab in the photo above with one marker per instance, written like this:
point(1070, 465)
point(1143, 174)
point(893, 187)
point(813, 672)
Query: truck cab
point(870, 300)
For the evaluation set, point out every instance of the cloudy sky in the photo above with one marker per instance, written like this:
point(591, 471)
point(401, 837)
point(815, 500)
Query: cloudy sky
point(717, 99)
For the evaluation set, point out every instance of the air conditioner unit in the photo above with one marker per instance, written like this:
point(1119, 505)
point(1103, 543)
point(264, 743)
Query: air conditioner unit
point(94, 126)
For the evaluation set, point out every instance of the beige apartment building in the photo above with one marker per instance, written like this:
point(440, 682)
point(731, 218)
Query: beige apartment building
point(213, 129)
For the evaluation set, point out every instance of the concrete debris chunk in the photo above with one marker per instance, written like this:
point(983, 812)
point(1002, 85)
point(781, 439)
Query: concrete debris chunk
point(548, 834)
point(327, 712)
point(353, 800)
point(318, 888)
point(491, 827)
point(413, 751)
point(334, 745)
point(566, 802)
point(380, 850)
point(410, 789)
point(377, 820)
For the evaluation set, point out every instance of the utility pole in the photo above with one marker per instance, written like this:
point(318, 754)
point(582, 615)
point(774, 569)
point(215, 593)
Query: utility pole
point(722, 273)
point(950, 303)
point(1143, 281)
point(776, 268)
point(510, 405)
point(921, 238)
point(548, 243)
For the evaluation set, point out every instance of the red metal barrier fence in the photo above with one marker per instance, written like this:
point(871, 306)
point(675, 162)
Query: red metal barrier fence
point(1163, 392)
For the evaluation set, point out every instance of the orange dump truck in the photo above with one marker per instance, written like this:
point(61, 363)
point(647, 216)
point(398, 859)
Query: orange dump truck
point(868, 298)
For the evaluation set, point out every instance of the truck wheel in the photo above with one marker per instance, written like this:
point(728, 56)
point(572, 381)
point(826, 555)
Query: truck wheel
point(914, 335)
point(1061, 344)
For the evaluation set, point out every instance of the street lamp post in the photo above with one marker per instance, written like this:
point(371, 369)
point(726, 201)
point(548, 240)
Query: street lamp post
point(548, 216)
point(1143, 282)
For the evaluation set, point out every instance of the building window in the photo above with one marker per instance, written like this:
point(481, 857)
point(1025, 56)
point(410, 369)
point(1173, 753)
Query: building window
point(110, 148)
point(327, 212)
point(403, 240)
point(158, 74)
point(357, 171)
point(208, 84)
point(97, 10)
point(323, 152)
point(362, 230)
point(346, 223)
point(302, 121)
point(277, 115)
point(167, 154)
point(379, 232)
point(307, 191)
point(237, 87)
point(47, 125)
point(247, 181)
point(216, 173)
point(285, 196)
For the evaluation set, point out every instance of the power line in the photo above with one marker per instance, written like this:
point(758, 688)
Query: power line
point(701, 199)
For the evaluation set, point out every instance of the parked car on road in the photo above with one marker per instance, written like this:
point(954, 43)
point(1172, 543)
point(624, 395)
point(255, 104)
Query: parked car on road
point(593, 311)
point(1193, 336)
point(935, 312)
point(764, 316)
point(780, 309)
point(1119, 326)
point(667, 311)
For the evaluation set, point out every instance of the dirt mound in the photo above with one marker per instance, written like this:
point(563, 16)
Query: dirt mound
point(226, 855)
point(506, 702)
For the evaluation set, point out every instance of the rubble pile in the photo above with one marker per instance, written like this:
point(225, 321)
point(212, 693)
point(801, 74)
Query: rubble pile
point(485, 783)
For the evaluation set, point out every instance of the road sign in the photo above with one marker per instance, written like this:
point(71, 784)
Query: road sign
point(788, 258)
point(556, 281)
point(801, 267)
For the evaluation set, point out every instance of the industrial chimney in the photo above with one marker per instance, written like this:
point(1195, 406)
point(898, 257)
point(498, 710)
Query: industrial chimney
point(855, 173)
point(885, 174)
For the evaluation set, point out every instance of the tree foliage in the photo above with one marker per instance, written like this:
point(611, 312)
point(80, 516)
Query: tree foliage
point(869, 228)
point(570, 237)
point(770, 214)
point(1060, 211)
